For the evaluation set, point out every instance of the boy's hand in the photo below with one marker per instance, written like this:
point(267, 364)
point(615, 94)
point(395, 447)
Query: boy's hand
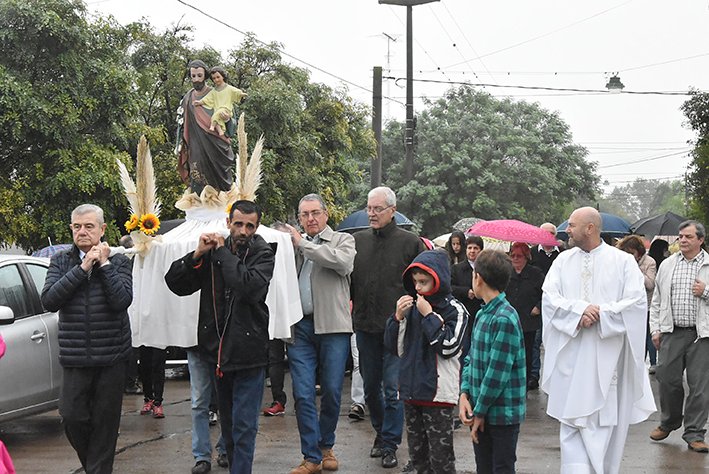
point(197, 102)
point(478, 424)
point(403, 305)
point(423, 306)
point(465, 411)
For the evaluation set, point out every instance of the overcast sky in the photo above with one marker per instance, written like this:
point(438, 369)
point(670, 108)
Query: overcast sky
point(655, 46)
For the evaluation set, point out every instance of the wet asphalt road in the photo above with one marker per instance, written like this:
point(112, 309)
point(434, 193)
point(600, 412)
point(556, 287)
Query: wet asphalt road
point(38, 445)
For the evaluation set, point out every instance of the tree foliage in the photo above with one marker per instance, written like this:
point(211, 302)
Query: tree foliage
point(696, 110)
point(77, 92)
point(489, 158)
point(647, 197)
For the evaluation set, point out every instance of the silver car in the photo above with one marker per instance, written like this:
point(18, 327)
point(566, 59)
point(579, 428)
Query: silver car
point(30, 374)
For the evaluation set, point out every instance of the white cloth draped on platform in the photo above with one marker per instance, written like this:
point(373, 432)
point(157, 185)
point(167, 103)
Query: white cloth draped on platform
point(159, 318)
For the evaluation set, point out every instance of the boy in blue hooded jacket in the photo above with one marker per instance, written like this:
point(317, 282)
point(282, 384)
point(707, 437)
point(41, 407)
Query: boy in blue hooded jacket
point(427, 332)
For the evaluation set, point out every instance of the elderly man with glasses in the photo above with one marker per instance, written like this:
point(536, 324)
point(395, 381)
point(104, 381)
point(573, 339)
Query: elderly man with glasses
point(383, 253)
point(324, 260)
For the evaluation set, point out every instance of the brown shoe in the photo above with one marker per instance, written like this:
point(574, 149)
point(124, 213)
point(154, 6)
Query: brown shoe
point(659, 434)
point(329, 461)
point(699, 447)
point(307, 467)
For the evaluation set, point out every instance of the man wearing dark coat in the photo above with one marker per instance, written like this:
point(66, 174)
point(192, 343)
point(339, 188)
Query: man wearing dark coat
point(233, 274)
point(92, 292)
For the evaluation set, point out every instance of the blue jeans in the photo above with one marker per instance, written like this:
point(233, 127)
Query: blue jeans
point(240, 394)
point(496, 451)
point(330, 352)
point(380, 371)
point(203, 378)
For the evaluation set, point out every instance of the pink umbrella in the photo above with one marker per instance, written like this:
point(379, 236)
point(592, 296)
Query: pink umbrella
point(512, 230)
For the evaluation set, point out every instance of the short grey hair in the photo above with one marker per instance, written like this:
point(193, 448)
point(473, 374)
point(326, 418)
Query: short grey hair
point(701, 231)
point(313, 197)
point(552, 226)
point(389, 196)
point(85, 209)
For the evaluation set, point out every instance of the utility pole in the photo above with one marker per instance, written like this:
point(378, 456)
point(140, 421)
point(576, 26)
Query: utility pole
point(409, 137)
point(390, 39)
point(375, 178)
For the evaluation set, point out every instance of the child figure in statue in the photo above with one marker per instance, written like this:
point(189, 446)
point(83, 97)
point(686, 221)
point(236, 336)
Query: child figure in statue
point(221, 99)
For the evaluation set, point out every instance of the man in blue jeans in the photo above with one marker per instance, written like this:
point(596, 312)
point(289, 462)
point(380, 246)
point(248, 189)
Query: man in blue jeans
point(233, 275)
point(322, 338)
point(203, 381)
point(383, 253)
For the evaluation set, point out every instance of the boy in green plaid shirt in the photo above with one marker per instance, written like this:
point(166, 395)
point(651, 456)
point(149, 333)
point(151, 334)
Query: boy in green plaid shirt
point(493, 389)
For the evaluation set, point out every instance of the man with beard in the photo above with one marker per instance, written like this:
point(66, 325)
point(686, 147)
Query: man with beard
point(594, 309)
point(234, 275)
point(204, 157)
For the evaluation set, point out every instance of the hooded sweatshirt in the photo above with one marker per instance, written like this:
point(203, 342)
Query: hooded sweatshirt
point(429, 344)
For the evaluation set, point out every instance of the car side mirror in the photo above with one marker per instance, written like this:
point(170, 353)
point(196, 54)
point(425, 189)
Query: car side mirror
point(7, 316)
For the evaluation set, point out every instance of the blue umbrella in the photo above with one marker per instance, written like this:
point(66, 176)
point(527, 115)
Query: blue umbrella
point(613, 225)
point(359, 221)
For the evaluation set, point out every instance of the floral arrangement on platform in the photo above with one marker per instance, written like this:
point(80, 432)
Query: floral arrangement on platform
point(143, 202)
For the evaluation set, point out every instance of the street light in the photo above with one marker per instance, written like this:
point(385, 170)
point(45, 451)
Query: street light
point(409, 137)
point(614, 85)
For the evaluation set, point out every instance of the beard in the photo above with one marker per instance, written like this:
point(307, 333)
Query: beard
point(198, 86)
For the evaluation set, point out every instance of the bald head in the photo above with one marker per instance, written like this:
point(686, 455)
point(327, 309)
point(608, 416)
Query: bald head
point(549, 227)
point(584, 228)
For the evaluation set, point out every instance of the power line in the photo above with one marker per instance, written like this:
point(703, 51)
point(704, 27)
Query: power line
point(644, 160)
point(557, 89)
point(281, 51)
point(542, 36)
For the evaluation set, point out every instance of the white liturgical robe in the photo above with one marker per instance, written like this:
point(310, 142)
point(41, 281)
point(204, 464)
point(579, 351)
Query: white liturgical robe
point(596, 376)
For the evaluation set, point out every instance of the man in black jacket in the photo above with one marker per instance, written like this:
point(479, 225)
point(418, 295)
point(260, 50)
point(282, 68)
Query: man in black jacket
point(92, 293)
point(383, 253)
point(233, 275)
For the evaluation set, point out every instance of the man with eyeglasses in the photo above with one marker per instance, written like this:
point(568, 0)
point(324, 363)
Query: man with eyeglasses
point(383, 254)
point(324, 259)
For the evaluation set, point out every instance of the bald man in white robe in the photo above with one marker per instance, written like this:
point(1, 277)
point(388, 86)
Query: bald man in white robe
point(594, 307)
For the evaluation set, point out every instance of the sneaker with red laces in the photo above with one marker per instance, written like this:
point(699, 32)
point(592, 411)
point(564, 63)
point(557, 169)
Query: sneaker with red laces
point(147, 408)
point(157, 411)
point(275, 409)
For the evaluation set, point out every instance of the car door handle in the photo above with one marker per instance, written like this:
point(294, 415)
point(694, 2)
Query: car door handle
point(38, 335)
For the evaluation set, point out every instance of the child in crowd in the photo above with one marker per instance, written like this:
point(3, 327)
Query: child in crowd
point(493, 389)
point(221, 99)
point(427, 332)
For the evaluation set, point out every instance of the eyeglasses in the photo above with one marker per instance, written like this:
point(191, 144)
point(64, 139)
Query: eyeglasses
point(516, 255)
point(315, 214)
point(377, 209)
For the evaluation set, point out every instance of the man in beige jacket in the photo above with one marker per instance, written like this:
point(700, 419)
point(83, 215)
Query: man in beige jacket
point(325, 259)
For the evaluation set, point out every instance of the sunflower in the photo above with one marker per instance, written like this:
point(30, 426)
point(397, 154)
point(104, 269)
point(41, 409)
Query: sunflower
point(132, 223)
point(149, 224)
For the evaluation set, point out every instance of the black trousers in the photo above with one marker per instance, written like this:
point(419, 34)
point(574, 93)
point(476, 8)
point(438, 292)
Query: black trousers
point(152, 373)
point(276, 369)
point(90, 404)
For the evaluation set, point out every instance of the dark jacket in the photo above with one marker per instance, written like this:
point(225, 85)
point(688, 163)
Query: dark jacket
point(237, 338)
point(94, 329)
point(429, 344)
point(524, 292)
point(461, 283)
point(382, 256)
point(541, 260)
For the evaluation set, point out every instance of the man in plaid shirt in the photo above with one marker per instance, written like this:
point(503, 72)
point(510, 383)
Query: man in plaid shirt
point(493, 385)
point(679, 323)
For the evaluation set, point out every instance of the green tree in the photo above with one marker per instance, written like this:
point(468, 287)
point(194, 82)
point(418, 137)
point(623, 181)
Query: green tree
point(696, 110)
point(489, 158)
point(65, 106)
point(647, 197)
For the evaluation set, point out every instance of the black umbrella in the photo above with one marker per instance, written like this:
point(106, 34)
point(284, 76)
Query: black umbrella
point(666, 223)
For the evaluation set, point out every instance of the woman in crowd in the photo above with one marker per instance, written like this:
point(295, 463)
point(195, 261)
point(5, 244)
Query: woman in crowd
point(455, 248)
point(635, 246)
point(524, 292)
